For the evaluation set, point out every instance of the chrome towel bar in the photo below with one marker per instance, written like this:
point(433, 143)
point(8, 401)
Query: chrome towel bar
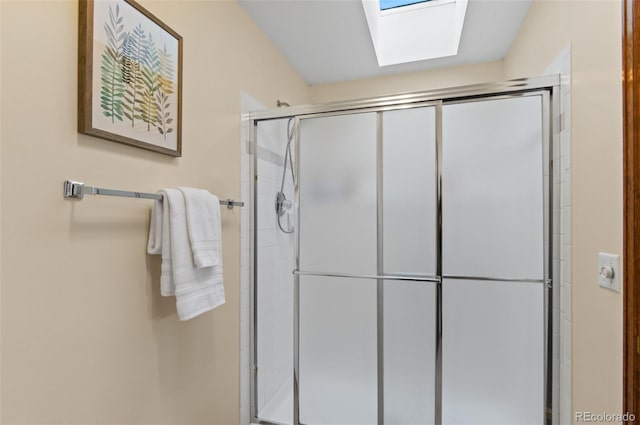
point(74, 189)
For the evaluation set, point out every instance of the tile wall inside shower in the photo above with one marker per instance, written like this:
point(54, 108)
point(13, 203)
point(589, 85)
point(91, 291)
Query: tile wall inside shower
point(274, 278)
point(275, 263)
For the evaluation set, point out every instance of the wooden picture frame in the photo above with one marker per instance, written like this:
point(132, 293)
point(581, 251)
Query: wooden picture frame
point(129, 76)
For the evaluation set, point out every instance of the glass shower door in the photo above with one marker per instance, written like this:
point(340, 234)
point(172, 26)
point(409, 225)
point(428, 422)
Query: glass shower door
point(421, 291)
point(337, 310)
point(493, 262)
point(409, 234)
point(367, 253)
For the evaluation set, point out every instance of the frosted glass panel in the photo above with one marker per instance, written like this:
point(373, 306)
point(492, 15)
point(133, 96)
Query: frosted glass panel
point(409, 352)
point(409, 190)
point(493, 351)
point(338, 194)
point(338, 361)
point(274, 281)
point(492, 188)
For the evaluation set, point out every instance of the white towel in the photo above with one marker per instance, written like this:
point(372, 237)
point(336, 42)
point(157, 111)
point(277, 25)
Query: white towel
point(160, 242)
point(203, 225)
point(154, 245)
point(197, 290)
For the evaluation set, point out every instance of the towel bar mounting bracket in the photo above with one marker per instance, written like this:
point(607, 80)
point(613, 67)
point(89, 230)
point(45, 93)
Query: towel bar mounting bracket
point(73, 189)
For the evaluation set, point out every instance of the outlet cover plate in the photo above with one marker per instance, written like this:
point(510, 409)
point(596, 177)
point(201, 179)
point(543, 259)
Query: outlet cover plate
point(612, 261)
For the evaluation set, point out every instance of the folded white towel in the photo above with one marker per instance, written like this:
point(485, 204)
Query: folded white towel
point(160, 242)
point(154, 245)
point(197, 290)
point(203, 225)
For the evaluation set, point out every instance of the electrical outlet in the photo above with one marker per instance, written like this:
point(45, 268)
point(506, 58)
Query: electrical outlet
point(609, 271)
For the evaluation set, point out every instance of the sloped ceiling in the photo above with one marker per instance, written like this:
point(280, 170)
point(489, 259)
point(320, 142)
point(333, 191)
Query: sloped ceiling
point(328, 40)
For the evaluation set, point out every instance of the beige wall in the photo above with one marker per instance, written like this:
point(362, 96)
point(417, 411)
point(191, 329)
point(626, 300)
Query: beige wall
point(391, 84)
point(86, 338)
point(594, 30)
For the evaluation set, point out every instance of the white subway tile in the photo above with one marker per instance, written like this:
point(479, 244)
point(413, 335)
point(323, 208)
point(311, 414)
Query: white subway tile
point(566, 414)
point(566, 110)
point(245, 358)
point(556, 239)
point(565, 375)
point(567, 348)
point(556, 194)
point(566, 224)
point(566, 189)
point(556, 223)
point(244, 332)
point(565, 148)
point(565, 299)
point(244, 168)
point(566, 252)
point(244, 190)
point(244, 415)
point(565, 329)
point(245, 313)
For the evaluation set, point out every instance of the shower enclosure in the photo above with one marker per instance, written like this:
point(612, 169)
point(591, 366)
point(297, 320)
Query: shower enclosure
point(416, 287)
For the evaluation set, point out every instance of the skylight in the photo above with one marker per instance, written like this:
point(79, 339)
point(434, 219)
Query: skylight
point(414, 30)
point(390, 4)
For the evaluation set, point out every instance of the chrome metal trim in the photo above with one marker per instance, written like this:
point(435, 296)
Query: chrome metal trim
point(503, 96)
point(373, 109)
point(496, 279)
point(253, 311)
point(487, 89)
point(547, 182)
point(75, 189)
point(438, 310)
point(552, 328)
point(411, 275)
point(296, 284)
point(547, 167)
point(367, 276)
point(420, 278)
point(265, 422)
point(380, 267)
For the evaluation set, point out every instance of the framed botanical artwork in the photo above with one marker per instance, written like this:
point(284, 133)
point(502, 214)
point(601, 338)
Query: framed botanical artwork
point(129, 76)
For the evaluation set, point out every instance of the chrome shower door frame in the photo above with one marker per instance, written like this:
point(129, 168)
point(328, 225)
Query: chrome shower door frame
point(548, 87)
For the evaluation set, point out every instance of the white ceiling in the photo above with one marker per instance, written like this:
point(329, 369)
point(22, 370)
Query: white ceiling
point(328, 40)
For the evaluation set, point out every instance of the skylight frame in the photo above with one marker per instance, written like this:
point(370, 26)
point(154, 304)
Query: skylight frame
point(421, 31)
point(394, 4)
point(420, 4)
